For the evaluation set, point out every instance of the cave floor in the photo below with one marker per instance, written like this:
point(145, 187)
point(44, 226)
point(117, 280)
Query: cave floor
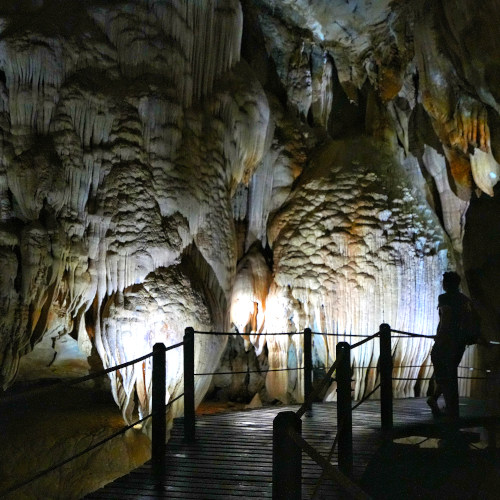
point(232, 457)
point(46, 425)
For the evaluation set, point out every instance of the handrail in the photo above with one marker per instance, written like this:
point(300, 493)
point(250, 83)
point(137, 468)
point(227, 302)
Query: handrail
point(79, 380)
point(65, 383)
point(301, 332)
point(257, 334)
point(158, 354)
point(311, 395)
point(365, 398)
point(413, 334)
point(364, 341)
point(305, 405)
point(297, 368)
point(68, 383)
point(288, 423)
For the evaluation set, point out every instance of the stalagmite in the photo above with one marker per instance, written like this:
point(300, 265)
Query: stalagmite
point(248, 302)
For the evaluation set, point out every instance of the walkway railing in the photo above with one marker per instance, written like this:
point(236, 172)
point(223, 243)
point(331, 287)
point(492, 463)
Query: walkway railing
point(157, 414)
point(288, 443)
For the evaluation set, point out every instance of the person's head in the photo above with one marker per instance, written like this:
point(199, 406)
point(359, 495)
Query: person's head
point(451, 281)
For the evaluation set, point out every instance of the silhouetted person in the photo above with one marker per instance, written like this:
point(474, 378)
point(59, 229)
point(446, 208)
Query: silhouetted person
point(448, 348)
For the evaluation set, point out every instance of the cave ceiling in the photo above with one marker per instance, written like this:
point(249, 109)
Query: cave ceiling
point(259, 166)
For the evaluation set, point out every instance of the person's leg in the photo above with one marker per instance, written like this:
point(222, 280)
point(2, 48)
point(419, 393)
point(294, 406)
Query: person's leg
point(432, 401)
point(452, 397)
point(449, 385)
point(452, 406)
point(437, 391)
point(439, 375)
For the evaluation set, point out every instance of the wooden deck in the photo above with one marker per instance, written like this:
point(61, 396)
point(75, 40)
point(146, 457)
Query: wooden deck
point(232, 455)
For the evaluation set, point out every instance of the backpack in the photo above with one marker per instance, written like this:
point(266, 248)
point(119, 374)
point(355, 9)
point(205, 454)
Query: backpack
point(469, 328)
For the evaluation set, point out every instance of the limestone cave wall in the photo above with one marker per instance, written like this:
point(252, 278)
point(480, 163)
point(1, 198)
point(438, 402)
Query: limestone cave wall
point(253, 166)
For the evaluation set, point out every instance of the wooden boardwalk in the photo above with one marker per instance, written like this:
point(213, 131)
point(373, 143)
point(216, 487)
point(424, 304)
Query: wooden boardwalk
point(232, 455)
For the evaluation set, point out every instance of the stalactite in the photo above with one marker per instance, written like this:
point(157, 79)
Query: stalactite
point(453, 208)
point(207, 39)
point(322, 74)
point(150, 312)
point(248, 302)
point(459, 117)
point(35, 69)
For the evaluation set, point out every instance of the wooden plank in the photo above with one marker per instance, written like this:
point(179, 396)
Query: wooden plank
point(232, 456)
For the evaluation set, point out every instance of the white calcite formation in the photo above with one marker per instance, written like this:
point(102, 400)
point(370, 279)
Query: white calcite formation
point(355, 246)
point(121, 149)
point(154, 177)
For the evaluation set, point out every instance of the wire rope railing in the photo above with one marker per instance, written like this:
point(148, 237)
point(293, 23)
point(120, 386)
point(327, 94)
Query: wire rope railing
point(79, 380)
point(157, 415)
point(287, 451)
point(283, 486)
point(288, 448)
point(288, 443)
point(284, 450)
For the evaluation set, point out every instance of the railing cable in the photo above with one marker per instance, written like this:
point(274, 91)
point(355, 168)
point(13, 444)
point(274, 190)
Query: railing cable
point(199, 332)
point(79, 380)
point(269, 334)
point(410, 378)
point(327, 379)
point(409, 334)
point(343, 335)
point(252, 371)
point(69, 383)
point(367, 396)
point(367, 339)
point(328, 459)
point(470, 368)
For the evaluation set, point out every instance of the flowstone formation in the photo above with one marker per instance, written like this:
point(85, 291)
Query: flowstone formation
point(257, 166)
point(344, 258)
point(360, 245)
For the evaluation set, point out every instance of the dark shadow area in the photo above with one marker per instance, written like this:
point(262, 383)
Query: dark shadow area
point(454, 471)
point(253, 50)
point(203, 278)
point(347, 117)
point(481, 255)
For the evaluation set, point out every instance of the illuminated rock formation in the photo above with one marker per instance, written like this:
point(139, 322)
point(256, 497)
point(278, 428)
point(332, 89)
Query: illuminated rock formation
point(356, 245)
point(122, 148)
point(161, 169)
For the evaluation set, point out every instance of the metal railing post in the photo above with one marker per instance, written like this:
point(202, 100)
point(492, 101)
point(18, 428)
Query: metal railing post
point(344, 411)
point(189, 408)
point(287, 457)
point(385, 378)
point(308, 367)
point(158, 420)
